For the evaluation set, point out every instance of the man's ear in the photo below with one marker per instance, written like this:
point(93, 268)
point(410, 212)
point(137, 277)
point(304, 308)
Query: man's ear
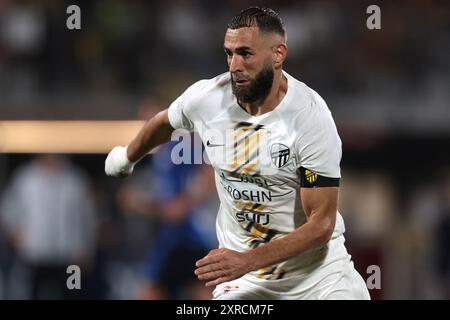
point(279, 54)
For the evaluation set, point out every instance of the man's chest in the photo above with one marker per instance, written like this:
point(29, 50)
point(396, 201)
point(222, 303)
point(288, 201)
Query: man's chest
point(251, 148)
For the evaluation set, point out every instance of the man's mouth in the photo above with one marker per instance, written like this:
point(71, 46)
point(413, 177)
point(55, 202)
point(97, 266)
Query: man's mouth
point(241, 82)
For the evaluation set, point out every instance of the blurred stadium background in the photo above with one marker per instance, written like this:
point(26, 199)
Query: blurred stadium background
point(67, 97)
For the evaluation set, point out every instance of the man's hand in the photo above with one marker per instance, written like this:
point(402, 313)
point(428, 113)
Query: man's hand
point(156, 131)
point(221, 265)
point(117, 163)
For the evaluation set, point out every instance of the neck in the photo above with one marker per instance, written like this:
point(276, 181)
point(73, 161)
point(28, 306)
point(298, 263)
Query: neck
point(272, 100)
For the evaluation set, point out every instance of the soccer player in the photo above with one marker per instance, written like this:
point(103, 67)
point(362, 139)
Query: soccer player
point(276, 154)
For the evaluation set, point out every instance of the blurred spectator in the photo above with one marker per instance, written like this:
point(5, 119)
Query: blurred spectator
point(22, 38)
point(49, 217)
point(182, 201)
point(187, 207)
point(442, 239)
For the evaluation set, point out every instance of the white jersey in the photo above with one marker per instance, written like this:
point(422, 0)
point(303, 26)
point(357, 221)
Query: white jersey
point(256, 161)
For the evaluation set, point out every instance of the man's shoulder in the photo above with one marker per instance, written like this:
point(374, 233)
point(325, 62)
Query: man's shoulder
point(309, 112)
point(205, 98)
point(206, 86)
point(302, 92)
point(304, 101)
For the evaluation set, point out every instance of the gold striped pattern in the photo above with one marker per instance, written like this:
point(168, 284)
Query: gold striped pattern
point(246, 148)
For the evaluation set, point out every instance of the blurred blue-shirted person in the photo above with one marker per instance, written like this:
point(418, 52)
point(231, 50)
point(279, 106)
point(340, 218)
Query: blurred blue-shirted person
point(186, 227)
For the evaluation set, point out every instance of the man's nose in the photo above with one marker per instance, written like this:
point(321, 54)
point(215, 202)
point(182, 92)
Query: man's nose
point(236, 64)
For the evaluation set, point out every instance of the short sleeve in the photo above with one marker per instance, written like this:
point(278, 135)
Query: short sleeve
point(177, 116)
point(319, 147)
point(182, 111)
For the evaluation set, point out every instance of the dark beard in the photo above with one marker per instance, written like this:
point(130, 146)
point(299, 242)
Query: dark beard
point(258, 89)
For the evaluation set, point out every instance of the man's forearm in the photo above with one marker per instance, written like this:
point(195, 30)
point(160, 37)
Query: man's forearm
point(311, 235)
point(156, 131)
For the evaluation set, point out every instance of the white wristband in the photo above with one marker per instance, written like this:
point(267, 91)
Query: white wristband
point(117, 163)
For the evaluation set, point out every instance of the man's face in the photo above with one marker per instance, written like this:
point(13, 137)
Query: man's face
point(249, 60)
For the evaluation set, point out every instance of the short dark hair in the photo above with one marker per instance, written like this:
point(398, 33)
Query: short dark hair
point(265, 19)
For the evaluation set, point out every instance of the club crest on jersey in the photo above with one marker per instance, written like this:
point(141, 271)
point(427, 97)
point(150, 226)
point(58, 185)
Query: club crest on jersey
point(280, 154)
